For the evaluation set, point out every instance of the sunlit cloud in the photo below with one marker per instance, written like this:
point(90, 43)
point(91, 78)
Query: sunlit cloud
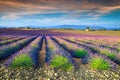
point(74, 10)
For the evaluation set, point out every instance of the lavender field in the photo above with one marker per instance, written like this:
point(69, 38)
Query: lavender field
point(58, 55)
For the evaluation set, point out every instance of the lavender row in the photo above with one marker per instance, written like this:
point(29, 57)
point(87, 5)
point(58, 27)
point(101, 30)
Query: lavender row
point(114, 49)
point(112, 55)
point(11, 40)
point(7, 50)
point(107, 43)
point(54, 49)
point(75, 51)
point(94, 52)
point(2, 38)
point(31, 50)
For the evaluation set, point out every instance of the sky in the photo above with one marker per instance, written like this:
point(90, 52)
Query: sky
point(17, 13)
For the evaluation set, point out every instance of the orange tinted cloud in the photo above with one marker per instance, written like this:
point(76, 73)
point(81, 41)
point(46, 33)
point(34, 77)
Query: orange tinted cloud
point(25, 7)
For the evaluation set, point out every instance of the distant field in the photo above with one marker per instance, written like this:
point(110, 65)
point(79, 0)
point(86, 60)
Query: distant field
point(58, 32)
point(100, 33)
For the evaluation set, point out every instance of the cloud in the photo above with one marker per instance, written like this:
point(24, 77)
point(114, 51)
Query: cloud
point(12, 9)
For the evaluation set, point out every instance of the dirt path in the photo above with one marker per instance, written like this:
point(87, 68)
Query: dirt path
point(42, 54)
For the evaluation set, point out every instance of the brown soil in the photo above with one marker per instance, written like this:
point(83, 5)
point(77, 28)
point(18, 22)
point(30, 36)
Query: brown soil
point(42, 54)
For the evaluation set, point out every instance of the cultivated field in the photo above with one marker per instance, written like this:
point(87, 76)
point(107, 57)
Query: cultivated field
point(27, 54)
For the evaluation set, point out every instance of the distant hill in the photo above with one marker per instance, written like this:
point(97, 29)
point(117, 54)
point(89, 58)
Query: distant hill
point(82, 27)
point(77, 27)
